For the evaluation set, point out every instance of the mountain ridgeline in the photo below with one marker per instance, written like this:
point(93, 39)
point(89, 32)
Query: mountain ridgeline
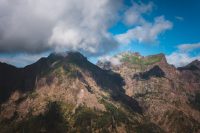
point(64, 93)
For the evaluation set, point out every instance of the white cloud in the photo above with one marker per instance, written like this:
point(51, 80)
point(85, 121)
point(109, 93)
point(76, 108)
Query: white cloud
point(180, 59)
point(148, 32)
point(189, 47)
point(133, 15)
point(114, 60)
point(182, 56)
point(34, 26)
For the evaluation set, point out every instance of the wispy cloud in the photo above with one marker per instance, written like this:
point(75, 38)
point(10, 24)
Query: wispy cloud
point(179, 18)
point(189, 47)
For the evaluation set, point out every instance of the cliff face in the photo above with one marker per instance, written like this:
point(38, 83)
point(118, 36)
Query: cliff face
point(66, 93)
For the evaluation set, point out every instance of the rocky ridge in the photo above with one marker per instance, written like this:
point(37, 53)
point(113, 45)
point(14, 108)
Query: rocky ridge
point(66, 93)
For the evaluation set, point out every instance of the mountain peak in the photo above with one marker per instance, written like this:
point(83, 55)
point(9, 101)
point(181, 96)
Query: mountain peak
point(195, 62)
point(65, 55)
point(194, 65)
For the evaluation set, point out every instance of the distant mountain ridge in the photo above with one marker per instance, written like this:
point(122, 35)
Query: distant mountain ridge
point(64, 92)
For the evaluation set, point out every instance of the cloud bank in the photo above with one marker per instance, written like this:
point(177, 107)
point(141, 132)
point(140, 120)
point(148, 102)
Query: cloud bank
point(34, 26)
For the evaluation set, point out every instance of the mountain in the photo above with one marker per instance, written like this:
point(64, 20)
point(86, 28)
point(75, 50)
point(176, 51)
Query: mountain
point(66, 93)
point(168, 96)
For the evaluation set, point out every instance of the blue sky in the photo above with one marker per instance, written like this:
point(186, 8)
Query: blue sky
point(185, 16)
point(149, 27)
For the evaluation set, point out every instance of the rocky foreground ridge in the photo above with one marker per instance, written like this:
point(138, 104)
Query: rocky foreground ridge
point(67, 93)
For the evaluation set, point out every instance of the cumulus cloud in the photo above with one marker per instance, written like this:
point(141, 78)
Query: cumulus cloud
point(146, 33)
point(134, 15)
point(34, 26)
point(189, 47)
point(181, 59)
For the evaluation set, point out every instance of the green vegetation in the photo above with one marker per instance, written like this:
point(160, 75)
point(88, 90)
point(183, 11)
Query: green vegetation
point(152, 60)
point(131, 59)
point(138, 60)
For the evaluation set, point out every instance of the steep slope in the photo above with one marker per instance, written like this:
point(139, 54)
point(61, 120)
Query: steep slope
point(66, 93)
point(166, 95)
